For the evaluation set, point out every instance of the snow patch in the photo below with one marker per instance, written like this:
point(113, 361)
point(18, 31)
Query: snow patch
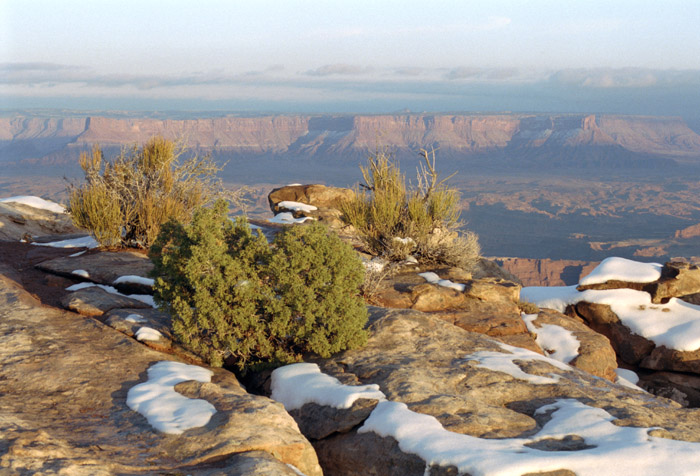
point(135, 318)
point(164, 408)
point(296, 206)
point(80, 272)
point(621, 269)
point(551, 297)
point(35, 202)
point(559, 343)
point(148, 333)
point(286, 218)
point(433, 278)
point(298, 384)
point(84, 242)
point(610, 449)
point(144, 298)
point(505, 362)
point(130, 278)
point(675, 324)
point(75, 255)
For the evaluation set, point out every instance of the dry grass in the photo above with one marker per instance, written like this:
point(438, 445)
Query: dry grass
point(395, 221)
point(125, 201)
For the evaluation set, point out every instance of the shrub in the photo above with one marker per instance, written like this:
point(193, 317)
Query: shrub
point(234, 299)
point(394, 221)
point(528, 307)
point(125, 201)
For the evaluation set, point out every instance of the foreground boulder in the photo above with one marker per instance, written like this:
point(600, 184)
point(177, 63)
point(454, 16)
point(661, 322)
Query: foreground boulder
point(471, 385)
point(21, 221)
point(64, 383)
point(639, 308)
point(316, 201)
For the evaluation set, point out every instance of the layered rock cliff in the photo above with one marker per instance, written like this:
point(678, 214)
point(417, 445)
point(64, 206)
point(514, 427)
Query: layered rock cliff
point(24, 136)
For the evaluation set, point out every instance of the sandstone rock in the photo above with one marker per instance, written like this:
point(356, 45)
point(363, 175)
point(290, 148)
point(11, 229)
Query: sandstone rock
point(491, 318)
point(431, 297)
point(424, 362)
point(95, 301)
point(317, 195)
point(631, 347)
point(663, 358)
point(682, 388)
point(317, 421)
point(677, 279)
point(493, 290)
point(18, 220)
point(326, 201)
point(104, 267)
point(63, 389)
point(596, 355)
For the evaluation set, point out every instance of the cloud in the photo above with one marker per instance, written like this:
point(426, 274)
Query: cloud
point(339, 69)
point(626, 90)
point(481, 74)
point(610, 78)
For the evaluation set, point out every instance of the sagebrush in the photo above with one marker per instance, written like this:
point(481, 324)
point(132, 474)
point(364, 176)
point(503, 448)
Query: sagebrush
point(394, 220)
point(125, 201)
point(234, 299)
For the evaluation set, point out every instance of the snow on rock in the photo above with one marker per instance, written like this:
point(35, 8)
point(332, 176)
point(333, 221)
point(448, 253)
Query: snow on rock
point(164, 408)
point(628, 375)
point(628, 379)
point(433, 278)
point(134, 279)
point(81, 272)
point(84, 242)
point(675, 324)
point(610, 449)
point(148, 333)
point(75, 255)
point(35, 202)
point(621, 269)
point(607, 448)
point(145, 298)
point(559, 343)
point(135, 318)
point(505, 362)
point(551, 297)
point(297, 384)
point(286, 218)
point(296, 206)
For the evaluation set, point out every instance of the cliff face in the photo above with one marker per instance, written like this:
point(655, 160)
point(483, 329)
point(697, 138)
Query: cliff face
point(338, 136)
point(546, 272)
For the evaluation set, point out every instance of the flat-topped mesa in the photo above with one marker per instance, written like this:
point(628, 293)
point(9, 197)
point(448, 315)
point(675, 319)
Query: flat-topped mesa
point(335, 137)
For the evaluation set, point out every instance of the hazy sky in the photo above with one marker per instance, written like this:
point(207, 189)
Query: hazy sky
point(639, 56)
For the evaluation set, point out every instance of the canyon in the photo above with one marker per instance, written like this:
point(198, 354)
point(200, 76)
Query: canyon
point(28, 135)
point(533, 186)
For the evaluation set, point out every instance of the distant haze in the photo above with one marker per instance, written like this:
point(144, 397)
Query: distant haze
point(629, 57)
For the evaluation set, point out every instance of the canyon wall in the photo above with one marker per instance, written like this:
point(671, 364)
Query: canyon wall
point(27, 136)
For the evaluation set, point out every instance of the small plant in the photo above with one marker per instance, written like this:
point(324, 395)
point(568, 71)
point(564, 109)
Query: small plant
point(235, 299)
point(374, 275)
point(527, 307)
point(394, 221)
point(125, 201)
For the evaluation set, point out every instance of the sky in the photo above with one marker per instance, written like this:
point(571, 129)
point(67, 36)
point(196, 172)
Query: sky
point(622, 56)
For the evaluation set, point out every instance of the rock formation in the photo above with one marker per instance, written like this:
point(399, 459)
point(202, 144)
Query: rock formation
point(446, 345)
